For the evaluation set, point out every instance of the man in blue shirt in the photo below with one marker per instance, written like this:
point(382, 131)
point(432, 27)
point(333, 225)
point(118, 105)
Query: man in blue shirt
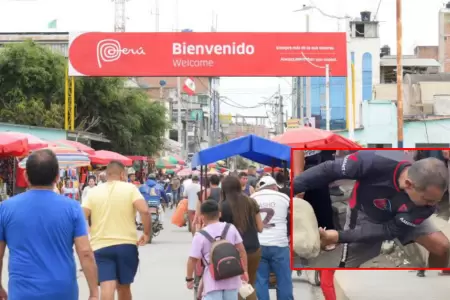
point(40, 229)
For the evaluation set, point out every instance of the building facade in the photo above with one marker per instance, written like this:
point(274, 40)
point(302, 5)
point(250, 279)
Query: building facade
point(364, 46)
point(56, 41)
point(431, 131)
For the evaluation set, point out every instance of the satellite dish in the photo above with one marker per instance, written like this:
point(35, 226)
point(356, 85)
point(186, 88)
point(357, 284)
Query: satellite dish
point(162, 83)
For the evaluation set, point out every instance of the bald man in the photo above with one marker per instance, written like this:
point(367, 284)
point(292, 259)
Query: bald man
point(112, 208)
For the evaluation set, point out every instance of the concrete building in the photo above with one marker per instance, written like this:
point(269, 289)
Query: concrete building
point(441, 52)
point(418, 131)
point(164, 89)
point(235, 130)
point(444, 34)
point(364, 46)
point(412, 65)
point(57, 41)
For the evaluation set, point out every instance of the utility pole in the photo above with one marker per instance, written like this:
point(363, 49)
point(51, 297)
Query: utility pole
point(157, 15)
point(399, 75)
point(281, 112)
point(308, 80)
point(299, 98)
point(179, 100)
point(186, 120)
point(214, 124)
point(327, 96)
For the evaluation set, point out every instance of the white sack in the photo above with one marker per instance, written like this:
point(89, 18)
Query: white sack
point(306, 238)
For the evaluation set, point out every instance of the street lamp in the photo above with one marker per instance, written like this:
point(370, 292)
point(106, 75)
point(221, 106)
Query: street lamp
point(350, 120)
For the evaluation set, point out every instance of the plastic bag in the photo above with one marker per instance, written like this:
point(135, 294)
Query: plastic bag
point(306, 238)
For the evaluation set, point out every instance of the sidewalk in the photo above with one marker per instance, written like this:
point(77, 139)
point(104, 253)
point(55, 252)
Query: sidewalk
point(388, 285)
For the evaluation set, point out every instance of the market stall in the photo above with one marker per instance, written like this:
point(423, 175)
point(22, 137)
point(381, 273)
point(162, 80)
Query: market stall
point(309, 137)
point(252, 147)
point(72, 165)
point(11, 147)
point(104, 157)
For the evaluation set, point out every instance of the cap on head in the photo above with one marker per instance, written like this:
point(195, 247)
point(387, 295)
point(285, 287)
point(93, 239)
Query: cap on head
point(131, 171)
point(267, 181)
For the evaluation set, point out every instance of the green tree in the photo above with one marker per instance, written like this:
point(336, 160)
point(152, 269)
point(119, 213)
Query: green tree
point(32, 93)
point(241, 163)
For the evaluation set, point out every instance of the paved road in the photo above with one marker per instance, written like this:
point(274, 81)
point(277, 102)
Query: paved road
point(387, 285)
point(162, 271)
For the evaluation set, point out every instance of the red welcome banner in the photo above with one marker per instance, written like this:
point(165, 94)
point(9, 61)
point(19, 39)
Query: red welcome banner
point(214, 54)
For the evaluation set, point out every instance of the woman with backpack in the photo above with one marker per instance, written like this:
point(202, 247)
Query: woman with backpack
point(243, 212)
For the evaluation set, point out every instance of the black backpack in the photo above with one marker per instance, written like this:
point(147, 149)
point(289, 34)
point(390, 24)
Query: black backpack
point(224, 259)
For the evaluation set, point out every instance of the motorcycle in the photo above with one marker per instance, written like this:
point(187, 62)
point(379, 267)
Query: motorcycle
point(153, 209)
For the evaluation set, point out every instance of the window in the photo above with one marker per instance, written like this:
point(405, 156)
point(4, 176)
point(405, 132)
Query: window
point(359, 30)
point(367, 76)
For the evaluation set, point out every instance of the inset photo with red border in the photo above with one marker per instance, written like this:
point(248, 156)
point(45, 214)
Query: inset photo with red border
point(370, 208)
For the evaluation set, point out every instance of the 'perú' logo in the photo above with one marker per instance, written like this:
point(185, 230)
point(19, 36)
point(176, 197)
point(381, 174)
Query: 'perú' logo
point(110, 50)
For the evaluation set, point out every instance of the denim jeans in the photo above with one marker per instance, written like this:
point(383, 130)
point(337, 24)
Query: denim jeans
point(176, 196)
point(277, 260)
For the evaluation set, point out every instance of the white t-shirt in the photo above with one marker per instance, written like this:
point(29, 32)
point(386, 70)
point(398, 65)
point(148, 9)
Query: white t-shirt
point(85, 192)
point(191, 193)
point(186, 183)
point(274, 209)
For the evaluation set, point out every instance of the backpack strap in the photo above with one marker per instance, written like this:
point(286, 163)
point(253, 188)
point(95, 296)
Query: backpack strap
point(207, 236)
point(225, 231)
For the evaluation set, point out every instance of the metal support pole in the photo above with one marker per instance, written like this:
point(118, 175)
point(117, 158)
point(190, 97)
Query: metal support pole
point(179, 124)
point(187, 120)
point(354, 95)
point(281, 111)
point(350, 99)
point(66, 100)
point(399, 75)
point(327, 96)
point(72, 104)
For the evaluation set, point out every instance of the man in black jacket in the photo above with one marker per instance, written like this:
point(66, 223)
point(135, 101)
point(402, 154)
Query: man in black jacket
point(393, 198)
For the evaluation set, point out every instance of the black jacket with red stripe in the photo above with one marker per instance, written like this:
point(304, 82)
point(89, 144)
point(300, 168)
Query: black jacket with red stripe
point(376, 193)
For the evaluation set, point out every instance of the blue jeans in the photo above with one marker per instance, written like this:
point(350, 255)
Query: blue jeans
point(222, 295)
point(169, 197)
point(176, 196)
point(277, 260)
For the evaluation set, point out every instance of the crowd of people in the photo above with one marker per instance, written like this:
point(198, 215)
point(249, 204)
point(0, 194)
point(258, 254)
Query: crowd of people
point(103, 231)
point(240, 223)
point(257, 207)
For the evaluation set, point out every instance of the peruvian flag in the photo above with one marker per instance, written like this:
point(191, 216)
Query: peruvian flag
point(189, 86)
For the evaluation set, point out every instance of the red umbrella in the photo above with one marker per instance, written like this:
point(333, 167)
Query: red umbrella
point(104, 157)
point(34, 143)
point(270, 169)
point(309, 137)
point(77, 145)
point(12, 145)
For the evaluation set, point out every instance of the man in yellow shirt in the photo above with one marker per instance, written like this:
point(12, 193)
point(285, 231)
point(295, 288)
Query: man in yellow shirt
point(112, 208)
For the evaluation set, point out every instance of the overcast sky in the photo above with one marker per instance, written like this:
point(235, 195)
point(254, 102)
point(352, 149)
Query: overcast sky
point(420, 21)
